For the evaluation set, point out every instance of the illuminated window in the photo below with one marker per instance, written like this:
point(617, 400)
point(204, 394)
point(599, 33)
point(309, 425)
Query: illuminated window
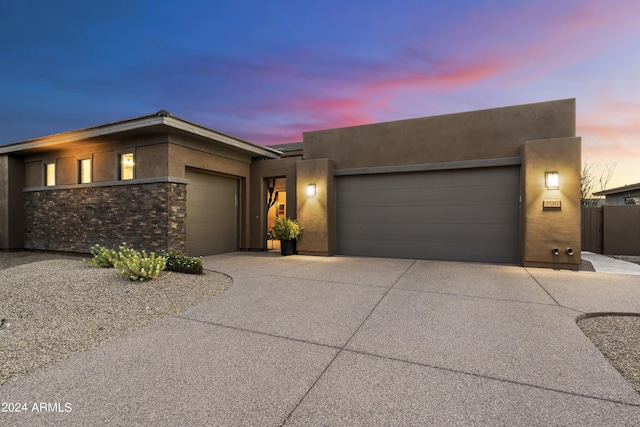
point(49, 174)
point(126, 166)
point(84, 168)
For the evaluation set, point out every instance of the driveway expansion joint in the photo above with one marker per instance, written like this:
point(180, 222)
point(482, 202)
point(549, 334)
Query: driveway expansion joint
point(343, 348)
point(542, 287)
point(335, 282)
point(488, 377)
point(251, 331)
point(481, 297)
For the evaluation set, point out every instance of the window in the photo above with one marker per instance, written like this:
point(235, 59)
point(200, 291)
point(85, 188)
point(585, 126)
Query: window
point(126, 166)
point(84, 171)
point(49, 174)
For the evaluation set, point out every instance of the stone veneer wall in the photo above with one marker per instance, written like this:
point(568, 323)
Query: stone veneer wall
point(149, 216)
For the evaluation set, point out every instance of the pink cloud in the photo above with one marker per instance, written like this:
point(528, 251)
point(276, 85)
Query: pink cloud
point(572, 35)
point(482, 51)
point(318, 113)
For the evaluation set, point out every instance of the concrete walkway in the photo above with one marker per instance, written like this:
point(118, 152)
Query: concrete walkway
point(347, 341)
point(605, 264)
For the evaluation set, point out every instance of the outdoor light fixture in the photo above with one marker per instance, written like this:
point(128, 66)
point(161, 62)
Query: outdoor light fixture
point(311, 190)
point(551, 180)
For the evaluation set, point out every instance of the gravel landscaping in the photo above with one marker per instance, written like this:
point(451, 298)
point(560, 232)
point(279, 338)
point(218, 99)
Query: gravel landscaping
point(618, 338)
point(629, 258)
point(52, 306)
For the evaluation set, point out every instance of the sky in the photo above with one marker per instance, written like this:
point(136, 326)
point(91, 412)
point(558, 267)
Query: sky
point(266, 71)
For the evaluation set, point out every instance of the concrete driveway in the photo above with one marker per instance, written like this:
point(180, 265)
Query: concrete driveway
point(355, 341)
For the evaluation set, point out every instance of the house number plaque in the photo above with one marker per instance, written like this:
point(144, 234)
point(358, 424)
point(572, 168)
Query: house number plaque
point(553, 204)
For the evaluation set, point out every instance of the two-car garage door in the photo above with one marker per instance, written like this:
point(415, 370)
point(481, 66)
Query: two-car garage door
point(464, 214)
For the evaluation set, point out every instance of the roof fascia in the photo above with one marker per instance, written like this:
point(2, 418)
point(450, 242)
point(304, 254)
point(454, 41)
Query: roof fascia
point(139, 124)
point(196, 129)
point(77, 135)
point(624, 189)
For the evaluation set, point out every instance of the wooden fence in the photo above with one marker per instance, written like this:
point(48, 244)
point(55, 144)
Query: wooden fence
point(613, 229)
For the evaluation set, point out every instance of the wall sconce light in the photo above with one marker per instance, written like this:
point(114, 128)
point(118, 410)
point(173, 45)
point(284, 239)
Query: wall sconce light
point(551, 180)
point(311, 190)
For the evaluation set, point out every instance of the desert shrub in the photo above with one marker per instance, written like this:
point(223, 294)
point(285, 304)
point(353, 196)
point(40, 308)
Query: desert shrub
point(125, 252)
point(102, 257)
point(137, 265)
point(182, 263)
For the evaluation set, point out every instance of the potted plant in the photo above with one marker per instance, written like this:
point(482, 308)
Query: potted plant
point(287, 231)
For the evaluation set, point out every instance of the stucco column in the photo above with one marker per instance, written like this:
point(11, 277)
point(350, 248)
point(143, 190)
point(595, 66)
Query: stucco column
point(316, 213)
point(550, 217)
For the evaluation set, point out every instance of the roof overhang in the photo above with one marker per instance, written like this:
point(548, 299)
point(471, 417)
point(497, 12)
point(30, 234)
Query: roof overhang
point(161, 122)
point(624, 189)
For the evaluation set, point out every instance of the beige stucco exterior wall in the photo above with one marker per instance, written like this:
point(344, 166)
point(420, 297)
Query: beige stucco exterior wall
point(260, 171)
point(543, 229)
point(104, 166)
point(180, 157)
point(486, 134)
point(152, 161)
point(33, 174)
point(66, 170)
point(317, 215)
point(11, 202)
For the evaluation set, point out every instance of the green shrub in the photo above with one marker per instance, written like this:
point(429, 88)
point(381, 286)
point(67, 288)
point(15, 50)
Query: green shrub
point(182, 263)
point(139, 266)
point(102, 257)
point(286, 229)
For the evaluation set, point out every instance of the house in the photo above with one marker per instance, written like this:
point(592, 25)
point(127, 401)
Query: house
point(498, 185)
point(629, 194)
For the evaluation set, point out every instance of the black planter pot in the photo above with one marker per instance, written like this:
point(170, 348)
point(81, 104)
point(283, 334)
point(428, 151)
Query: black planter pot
point(287, 247)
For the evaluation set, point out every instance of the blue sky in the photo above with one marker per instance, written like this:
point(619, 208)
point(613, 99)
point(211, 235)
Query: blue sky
point(266, 71)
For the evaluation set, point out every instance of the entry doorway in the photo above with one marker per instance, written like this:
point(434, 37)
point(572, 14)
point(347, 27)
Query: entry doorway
point(276, 201)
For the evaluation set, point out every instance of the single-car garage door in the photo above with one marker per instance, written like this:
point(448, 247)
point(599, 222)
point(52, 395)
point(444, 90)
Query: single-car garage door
point(211, 214)
point(464, 214)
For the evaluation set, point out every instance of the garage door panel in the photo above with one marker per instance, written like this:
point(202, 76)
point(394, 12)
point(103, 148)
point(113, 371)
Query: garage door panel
point(437, 233)
point(476, 252)
point(437, 179)
point(470, 214)
point(213, 214)
point(454, 196)
point(427, 214)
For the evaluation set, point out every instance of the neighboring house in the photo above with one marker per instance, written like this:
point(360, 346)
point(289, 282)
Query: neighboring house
point(468, 186)
point(629, 194)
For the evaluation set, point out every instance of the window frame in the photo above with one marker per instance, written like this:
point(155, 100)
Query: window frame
point(46, 171)
point(121, 169)
point(80, 170)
